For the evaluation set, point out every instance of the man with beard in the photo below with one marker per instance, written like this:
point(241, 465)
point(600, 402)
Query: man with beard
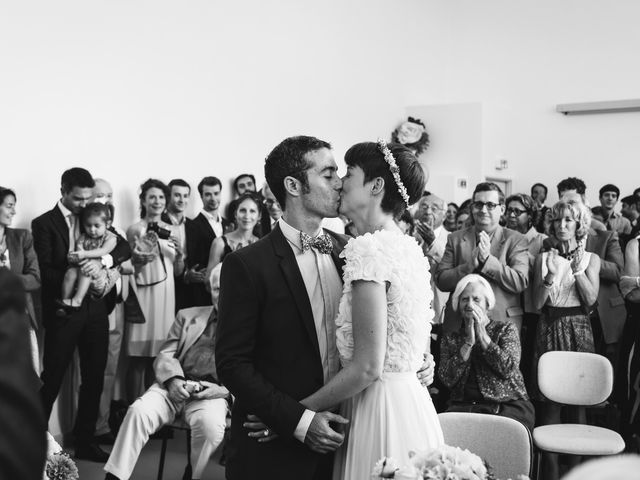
point(209, 224)
point(179, 193)
point(276, 337)
point(55, 234)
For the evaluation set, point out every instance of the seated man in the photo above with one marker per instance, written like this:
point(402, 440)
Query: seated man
point(184, 365)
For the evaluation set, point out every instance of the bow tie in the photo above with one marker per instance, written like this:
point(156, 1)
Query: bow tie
point(322, 243)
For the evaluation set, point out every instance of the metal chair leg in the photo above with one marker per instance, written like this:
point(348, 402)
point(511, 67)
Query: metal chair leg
point(188, 470)
point(163, 453)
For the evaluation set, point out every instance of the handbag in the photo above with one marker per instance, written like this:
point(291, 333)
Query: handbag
point(132, 311)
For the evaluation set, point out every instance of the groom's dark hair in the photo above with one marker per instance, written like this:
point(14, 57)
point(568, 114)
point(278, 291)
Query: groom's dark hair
point(288, 160)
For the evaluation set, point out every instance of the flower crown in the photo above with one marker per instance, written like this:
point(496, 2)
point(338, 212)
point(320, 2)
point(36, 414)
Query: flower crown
point(395, 171)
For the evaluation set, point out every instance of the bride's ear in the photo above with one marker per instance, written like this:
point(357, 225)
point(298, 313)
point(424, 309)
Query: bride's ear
point(377, 186)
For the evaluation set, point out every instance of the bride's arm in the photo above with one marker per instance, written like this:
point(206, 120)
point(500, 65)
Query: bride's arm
point(369, 318)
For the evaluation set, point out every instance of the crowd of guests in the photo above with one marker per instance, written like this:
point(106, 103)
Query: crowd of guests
point(524, 279)
point(512, 278)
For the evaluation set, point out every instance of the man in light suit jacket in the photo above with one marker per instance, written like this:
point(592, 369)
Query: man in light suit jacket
point(611, 312)
point(268, 349)
point(187, 354)
point(498, 254)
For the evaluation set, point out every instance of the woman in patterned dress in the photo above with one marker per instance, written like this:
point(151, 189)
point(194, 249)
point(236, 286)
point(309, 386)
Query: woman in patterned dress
point(480, 363)
point(565, 288)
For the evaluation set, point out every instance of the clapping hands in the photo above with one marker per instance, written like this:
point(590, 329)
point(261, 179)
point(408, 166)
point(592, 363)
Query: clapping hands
point(553, 261)
point(482, 251)
point(484, 246)
point(424, 234)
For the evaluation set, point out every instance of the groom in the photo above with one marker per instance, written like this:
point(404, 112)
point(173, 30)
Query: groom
point(276, 333)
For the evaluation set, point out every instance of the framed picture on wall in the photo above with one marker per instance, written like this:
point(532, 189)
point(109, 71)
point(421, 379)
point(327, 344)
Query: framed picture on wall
point(503, 183)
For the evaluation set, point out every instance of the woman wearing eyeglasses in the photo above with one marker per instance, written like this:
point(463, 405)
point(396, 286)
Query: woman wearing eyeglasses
point(565, 288)
point(520, 216)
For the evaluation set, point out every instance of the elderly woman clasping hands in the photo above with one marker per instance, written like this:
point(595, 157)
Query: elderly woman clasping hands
point(480, 362)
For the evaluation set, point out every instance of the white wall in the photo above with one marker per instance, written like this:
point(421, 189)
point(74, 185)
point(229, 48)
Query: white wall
point(132, 89)
point(521, 59)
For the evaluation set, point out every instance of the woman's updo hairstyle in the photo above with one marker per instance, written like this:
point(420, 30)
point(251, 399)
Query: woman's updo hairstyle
point(369, 157)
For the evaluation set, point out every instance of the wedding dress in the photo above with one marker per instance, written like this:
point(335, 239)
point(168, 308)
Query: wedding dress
point(394, 415)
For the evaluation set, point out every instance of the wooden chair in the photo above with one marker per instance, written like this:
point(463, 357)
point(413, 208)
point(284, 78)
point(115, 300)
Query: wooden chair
point(579, 379)
point(504, 443)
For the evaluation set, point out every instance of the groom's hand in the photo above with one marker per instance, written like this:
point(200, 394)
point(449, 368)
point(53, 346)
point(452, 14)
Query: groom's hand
point(427, 370)
point(321, 438)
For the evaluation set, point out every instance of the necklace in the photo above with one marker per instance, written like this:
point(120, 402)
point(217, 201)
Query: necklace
point(570, 255)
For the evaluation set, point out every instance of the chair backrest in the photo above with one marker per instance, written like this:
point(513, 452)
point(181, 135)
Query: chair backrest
point(575, 378)
point(505, 444)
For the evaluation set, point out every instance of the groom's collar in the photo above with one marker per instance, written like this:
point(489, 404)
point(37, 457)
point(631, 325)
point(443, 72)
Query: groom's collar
point(293, 234)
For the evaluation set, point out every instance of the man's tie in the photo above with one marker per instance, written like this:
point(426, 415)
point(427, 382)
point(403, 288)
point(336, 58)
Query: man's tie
point(321, 243)
point(73, 232)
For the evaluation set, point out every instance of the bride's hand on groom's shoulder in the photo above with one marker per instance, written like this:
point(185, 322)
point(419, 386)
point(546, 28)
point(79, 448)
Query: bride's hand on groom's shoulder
point(321, 437)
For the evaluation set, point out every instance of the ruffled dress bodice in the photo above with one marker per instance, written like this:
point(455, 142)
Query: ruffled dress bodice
point(396, 260)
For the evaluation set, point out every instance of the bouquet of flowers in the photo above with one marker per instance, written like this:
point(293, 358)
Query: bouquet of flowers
point(443, 463)
point(59, 465)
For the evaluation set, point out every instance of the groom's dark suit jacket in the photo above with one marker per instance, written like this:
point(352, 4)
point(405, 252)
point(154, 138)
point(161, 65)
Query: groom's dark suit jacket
point(267, 355)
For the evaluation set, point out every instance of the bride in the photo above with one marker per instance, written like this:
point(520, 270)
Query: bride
point(383, 324)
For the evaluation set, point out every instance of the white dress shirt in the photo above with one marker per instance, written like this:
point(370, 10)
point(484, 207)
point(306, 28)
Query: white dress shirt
point(179, 230)
point(324, 288)
point(215, 222)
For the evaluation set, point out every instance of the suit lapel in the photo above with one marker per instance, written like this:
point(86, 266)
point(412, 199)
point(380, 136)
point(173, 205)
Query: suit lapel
point(15, 252)
point(61, 225)
point(206, 226)
point(191, 332)
point(468, 243)
point(295, 282)
point(497, 241)
point(338, 261)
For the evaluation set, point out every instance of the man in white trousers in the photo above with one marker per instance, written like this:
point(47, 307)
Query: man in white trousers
point(185, 359)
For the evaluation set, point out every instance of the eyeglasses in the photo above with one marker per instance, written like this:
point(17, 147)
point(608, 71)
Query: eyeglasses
point(478, 206)
point(516, 211)
point(269, 202)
